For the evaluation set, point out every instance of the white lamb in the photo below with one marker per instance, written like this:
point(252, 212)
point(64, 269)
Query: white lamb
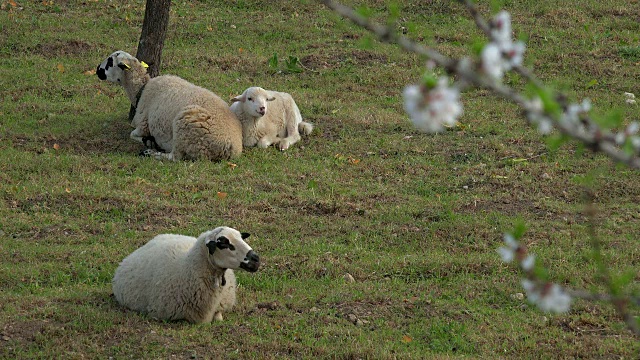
point(185, 120)
point(281, 123)
point(176, 277)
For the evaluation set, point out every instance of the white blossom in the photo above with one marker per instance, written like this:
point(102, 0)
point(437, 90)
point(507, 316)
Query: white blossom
point(629, 132)
point(501, 54)
point(528, 263)
point(511, 241)
point(534, 114)
point(530, 288)
point(571, 115)
point(501, 27)
point(431, 109)
point(514, 53)
point(548, 297)
point(492, 62)
point(508, 253)
point(555, 300)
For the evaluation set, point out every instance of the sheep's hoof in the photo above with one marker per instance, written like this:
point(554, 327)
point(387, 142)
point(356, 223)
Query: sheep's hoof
point(147, 152)
point(218, 316)
point(283, 145)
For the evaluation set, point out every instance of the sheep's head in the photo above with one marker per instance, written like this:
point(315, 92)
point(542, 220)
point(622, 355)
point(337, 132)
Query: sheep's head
point(228, 250)
point(254, 101)
point(113, 68)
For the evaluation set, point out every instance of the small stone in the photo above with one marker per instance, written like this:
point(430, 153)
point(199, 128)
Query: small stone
point(546, 176)
point(359, 322)
point(518, 296)
point(348, 278)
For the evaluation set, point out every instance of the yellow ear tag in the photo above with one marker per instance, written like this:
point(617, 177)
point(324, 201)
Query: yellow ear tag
point(144, 64)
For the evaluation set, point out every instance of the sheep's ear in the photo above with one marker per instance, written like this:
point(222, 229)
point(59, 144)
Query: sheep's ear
point(211, 245)
point(240, 98)
point(244, 235)
point(271, 98)
point(123, 66)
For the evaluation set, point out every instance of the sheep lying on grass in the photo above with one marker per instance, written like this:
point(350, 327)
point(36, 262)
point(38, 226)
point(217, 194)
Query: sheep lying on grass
point(185, 120)
point(281, 123)
point(176, 277)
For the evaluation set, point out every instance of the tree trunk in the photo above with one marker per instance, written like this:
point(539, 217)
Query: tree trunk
point(154, 30)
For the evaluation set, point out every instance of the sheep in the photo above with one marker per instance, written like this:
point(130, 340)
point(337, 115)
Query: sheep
point(185, 120)
point(280, 124)
point(174, 277)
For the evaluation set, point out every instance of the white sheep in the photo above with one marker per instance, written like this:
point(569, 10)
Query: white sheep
point(175, 277)
point(279, 123)
point(185, 120)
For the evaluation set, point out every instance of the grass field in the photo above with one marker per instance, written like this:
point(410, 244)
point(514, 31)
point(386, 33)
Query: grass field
point(415, 219)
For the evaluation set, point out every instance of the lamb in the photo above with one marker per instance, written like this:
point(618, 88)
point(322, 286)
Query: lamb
point(281, 124)
point(175, 277)
point(185, 120)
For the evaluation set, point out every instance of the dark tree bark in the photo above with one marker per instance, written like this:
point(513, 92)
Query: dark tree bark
point(154, 30)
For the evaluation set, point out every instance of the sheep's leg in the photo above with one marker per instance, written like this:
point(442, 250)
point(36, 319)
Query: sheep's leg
point(267, 140)
point(305, 128)
point(293, 136)
point(137, 135)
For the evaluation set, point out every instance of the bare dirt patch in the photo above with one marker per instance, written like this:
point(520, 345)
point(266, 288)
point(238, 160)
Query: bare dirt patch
point(63, 48)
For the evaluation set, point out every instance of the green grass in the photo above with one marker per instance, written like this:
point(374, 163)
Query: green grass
point(414, 218)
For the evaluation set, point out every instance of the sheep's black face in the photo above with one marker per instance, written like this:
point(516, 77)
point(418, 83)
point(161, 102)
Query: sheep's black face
point(109, 70)
point(251, 262)
point(228, 250)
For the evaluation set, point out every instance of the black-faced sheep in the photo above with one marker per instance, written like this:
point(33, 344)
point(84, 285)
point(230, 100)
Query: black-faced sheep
point(175, 277)
point(185, 120)
point(278, 123)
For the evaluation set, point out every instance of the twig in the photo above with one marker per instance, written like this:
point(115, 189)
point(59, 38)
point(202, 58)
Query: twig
point(589, 134)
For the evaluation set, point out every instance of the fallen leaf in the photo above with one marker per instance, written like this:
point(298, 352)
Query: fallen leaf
point(209, 28)
point(13, 3)
point(406, 339)
point(90, 72)
point(240, 50)
point(221, 195)
point(67, 190)
point(56, 146)
point(232, 165)
point(60, 68)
